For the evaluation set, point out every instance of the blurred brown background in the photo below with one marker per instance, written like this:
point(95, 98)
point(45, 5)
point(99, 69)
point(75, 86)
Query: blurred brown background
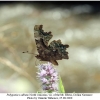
point(75, 23)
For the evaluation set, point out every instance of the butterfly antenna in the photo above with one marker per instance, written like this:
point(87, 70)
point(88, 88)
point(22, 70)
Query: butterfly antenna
point(28, 52)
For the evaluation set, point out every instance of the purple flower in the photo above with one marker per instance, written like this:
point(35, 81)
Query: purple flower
point(48, 76)
point(42, 73)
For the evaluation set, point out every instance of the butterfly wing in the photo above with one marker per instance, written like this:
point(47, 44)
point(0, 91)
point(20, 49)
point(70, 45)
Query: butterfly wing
point(42, 38)
point(59, 50)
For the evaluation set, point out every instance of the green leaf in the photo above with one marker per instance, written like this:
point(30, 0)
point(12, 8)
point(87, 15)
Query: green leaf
point(61, 87)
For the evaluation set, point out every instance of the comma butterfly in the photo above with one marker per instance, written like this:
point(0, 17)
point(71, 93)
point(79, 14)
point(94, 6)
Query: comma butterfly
point(49, 52)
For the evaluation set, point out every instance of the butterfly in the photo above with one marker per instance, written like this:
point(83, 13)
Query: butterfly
point(49, 52)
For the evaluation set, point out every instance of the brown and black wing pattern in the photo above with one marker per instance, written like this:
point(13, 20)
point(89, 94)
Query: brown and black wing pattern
point(52, 52)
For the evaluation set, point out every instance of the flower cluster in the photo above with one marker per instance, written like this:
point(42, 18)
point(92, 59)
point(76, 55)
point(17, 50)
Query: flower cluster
point(48, 77)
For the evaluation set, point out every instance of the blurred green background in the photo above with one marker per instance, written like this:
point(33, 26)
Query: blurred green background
point(75, 23)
